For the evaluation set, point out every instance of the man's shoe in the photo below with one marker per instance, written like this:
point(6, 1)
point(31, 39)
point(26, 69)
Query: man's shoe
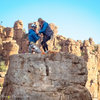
point(46, 51)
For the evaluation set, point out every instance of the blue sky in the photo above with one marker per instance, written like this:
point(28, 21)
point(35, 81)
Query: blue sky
point(77, 19)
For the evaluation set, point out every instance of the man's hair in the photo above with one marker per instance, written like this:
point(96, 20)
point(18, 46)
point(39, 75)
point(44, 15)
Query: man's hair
point(40, 20)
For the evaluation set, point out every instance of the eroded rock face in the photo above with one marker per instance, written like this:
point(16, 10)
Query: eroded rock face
point(9, 48)
point(18, 30)
point(18, 25)
point(57, 76)
point(19, 34)
point(8, 45)
point(91, 54)
point(71, 46)
point(7, 34)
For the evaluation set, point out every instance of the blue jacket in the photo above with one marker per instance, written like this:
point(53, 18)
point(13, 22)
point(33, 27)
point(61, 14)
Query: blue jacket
point(32, 36)
point(46, 30)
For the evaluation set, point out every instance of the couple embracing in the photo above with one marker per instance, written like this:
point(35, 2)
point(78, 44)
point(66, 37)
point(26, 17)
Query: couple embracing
point(33, 36)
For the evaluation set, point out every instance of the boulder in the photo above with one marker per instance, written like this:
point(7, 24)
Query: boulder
point(9, 32)
point(71, 46)
point(18, 34)
point(58, 76)
point(18, 25)
point(9, 48)
point(29, 26)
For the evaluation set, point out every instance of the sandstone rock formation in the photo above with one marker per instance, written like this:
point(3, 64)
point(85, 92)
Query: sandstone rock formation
point(91, 53)
point(0, 46)
point(29, 26)
point(19, 35)
point(9, 48)
point(8, 45)
point(53, 42)
point(18, 25)
point(6, 34)
point(59, 76)
point(1, 32)
point(71, 46)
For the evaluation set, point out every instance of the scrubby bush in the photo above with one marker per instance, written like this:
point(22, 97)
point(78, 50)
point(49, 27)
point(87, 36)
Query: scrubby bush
point(95, 48)
point(82, 53)
point(1, 85)
point(3, 67)
point(25, 36)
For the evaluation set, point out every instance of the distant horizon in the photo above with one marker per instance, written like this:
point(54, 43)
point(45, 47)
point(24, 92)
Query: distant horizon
point(75, 19)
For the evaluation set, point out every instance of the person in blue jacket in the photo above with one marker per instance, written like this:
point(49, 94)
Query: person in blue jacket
point(33, 38)
point(47, 33)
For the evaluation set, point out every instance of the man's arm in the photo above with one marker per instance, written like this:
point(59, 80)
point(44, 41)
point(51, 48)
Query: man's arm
point(35, 36)
point(44, 28)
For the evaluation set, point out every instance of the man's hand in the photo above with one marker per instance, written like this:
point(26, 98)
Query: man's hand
point(31, 43)
point(37, 31)
point(39, 34)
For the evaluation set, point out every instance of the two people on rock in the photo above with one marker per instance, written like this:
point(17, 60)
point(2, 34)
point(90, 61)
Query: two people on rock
point(34, 36)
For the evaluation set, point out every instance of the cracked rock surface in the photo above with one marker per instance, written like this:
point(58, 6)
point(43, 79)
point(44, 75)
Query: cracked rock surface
point(58, 76)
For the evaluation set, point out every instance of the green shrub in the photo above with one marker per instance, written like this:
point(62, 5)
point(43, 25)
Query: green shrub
point(1, 85)
point(95, 48)
point(25, 36)
point(3, 67)
point(82, 53)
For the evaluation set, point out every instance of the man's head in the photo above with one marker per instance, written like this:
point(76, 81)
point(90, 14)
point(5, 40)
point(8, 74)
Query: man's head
point(33, 26)
point(40, 20)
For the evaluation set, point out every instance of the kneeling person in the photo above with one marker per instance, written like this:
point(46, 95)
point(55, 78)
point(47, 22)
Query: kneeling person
point(33, 38)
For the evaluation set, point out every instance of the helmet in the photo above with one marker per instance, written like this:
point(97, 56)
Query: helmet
point(34, 26)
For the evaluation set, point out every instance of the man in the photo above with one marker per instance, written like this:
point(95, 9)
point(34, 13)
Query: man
point(47, 33)
point(33, 38)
